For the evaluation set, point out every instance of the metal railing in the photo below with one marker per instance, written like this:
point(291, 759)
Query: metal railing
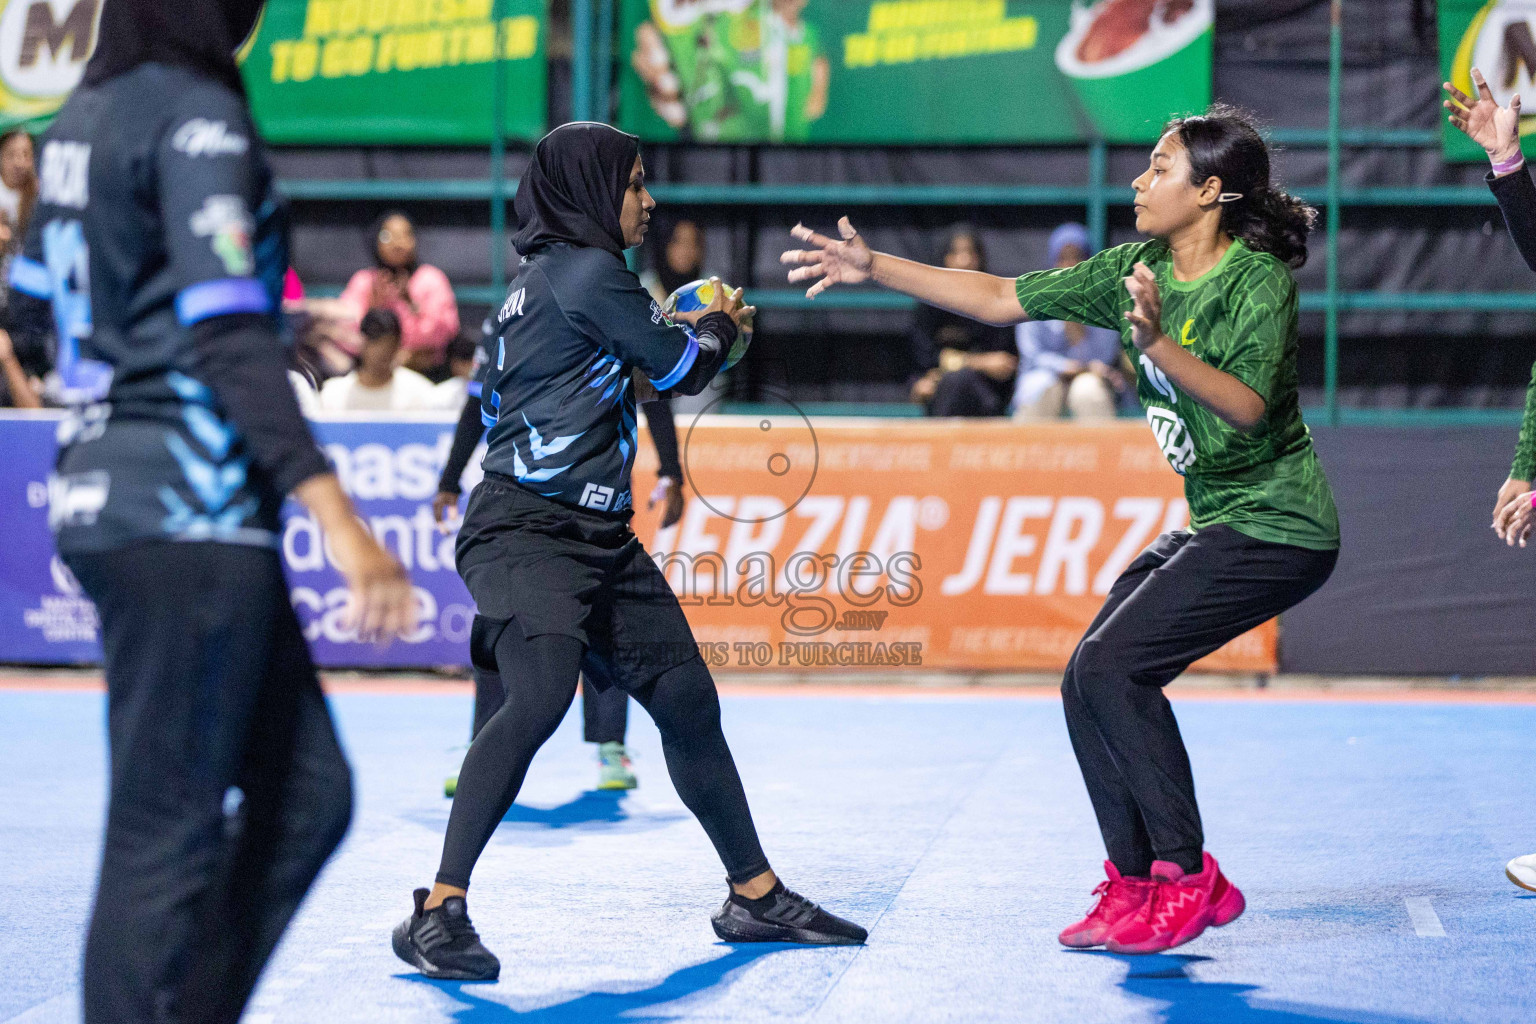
point(593, 26)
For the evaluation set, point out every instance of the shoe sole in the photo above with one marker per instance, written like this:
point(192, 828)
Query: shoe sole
point(406, 950)
point(781, 934)
point(1511, 876)
point(618, 785)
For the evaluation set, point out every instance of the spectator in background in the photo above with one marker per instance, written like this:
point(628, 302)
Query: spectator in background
point(378, 384)
point(453, 388)
point(18, 179)
point(966, 367)
point(1068, 367)
point(418, 294)
point(17, 390)
point(681, 262)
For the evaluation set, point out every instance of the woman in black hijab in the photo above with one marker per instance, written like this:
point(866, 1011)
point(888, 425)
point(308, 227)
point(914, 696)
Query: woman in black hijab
point(157, 195)
point(562, 585)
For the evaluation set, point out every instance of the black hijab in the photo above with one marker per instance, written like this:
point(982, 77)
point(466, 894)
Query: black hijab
point(573, 190)
point(198, 34)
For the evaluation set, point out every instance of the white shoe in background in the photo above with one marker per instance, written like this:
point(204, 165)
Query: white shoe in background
point(1522, 871)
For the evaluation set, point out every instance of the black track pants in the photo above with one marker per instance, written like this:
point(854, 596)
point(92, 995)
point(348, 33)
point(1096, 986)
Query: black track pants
point(1181, 599)
point(605, 713)
point(210, 688)
point(538, 676)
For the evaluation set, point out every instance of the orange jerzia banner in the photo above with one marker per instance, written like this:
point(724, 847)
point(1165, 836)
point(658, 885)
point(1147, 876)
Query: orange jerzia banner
point(846, 544)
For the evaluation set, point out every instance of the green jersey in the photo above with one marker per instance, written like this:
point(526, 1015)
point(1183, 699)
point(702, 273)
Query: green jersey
point(1240, 317)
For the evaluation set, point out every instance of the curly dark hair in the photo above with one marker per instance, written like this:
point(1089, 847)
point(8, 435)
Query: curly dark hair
point(1225, 143)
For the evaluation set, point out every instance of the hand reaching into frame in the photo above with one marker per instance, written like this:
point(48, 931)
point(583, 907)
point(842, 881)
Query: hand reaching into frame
point(833, 261)
point(1495, 128)
point(1516, 520)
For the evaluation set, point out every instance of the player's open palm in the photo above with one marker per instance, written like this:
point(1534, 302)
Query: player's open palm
point(847, 260)
point(1495, 128)
point(1146, 313)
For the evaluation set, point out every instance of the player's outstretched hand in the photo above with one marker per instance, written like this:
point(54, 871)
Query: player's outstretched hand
point(1146, 316)
point(383, 604)
point(832, 261)
point(1511, 488)
point(1515, 519)
point(1495, 128)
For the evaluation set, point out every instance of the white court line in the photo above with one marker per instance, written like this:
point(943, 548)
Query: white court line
point(61, 1009)
point(1426, 923)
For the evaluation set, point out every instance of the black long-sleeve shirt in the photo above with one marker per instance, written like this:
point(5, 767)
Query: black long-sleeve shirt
point(556, 390)
point(1516, 194)
point(470, 429)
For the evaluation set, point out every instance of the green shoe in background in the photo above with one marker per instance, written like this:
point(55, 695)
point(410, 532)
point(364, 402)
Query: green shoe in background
point(450, 786)
point(615, 773)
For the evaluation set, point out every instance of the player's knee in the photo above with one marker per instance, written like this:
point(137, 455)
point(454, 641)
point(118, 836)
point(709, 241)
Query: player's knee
point(1096, 670)
point(685, 703)
point(1090, 398)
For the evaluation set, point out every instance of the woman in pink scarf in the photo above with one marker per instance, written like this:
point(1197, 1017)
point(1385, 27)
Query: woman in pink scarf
point(419, 294)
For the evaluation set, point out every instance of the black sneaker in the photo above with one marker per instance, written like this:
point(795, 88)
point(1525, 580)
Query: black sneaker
point(441, 943)
point(783, 916)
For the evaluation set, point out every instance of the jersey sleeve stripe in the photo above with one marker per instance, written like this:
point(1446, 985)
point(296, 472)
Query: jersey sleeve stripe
point(690, 354)
point(219, 298)
point(487, 419)
point(31, 277)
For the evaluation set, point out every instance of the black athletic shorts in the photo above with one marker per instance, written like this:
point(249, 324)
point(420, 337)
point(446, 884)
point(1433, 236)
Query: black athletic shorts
point(557, 569)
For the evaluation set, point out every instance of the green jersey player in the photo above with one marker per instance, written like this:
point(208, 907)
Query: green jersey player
point(1207, 311)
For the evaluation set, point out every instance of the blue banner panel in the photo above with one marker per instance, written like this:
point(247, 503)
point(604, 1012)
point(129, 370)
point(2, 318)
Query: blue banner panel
point(389, 468)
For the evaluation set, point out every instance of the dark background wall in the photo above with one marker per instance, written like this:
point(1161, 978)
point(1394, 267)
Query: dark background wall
point(1271, 57)
point(1422, 586)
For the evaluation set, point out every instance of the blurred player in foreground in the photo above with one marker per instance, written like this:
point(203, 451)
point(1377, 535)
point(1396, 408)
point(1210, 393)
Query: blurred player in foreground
point(161, 246)
point(1497, 130)
point(561, 583)
point(1207, 310)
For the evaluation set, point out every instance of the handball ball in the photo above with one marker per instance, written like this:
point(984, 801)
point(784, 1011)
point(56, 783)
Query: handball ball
point(697, 295)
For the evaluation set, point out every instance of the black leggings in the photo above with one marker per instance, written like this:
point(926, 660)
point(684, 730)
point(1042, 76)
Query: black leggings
point(210, 686)
point(1181, 599)
point(605, 713)
point(538, 676)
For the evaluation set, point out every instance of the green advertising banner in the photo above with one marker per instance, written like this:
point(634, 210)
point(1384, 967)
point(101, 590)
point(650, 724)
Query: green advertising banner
point(912, 71)
point(349, 72)
point(333, 72)
point(1498, 37)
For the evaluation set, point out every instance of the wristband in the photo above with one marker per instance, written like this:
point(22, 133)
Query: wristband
point(1508, 165)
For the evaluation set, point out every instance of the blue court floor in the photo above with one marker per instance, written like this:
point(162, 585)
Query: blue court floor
point(1369, 837)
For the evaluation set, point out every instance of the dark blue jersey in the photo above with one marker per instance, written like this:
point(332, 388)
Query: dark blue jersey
point(557, 393)
point(155, 212)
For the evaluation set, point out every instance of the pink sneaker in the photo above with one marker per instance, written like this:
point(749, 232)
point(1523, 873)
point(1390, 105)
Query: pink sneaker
point(1182, 906)
point(1118, 898)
